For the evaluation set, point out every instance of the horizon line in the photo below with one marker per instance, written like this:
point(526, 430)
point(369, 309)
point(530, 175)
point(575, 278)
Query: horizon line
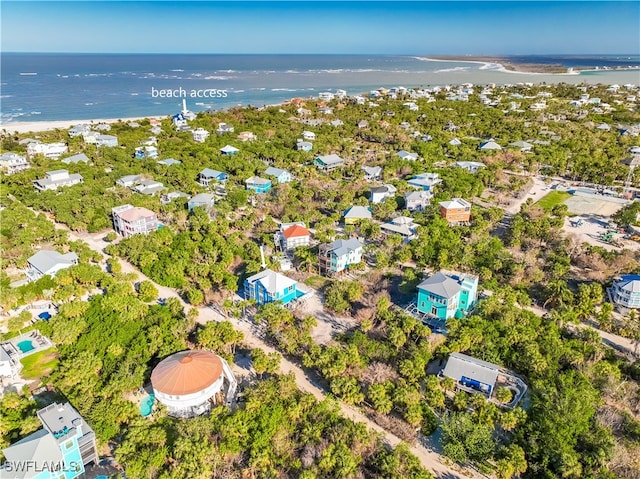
point(495, 55)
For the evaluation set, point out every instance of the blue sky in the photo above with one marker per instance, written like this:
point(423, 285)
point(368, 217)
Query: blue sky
point(414, 27)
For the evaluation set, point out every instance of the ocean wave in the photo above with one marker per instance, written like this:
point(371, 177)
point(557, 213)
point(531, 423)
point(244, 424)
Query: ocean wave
point(218, 77)
point(491, 66)
point(89, 104)
point(258, 89)
point(134, 94)
point(237, 91)
point(177, 70)
point(455, 69)
point(36, 113)
point(6, 96)
point(284, 89)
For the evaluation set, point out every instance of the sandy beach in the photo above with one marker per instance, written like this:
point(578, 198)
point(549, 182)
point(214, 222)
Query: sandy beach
point(508, 66)
point(36, 126)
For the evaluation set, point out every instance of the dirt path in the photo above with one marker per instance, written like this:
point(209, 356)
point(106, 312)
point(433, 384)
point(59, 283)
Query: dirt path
point(430, 460)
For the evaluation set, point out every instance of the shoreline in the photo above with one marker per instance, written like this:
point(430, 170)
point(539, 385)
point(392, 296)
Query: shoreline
point(505, 65)
point(50, 125)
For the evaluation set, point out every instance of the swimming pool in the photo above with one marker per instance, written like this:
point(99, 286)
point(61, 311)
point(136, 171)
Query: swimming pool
point(26, 345)
point(146, 406)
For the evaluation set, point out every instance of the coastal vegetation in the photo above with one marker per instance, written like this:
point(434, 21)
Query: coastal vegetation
point(580, 416)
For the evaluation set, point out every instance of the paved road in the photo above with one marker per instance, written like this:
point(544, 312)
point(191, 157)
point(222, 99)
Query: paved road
point(429, 459)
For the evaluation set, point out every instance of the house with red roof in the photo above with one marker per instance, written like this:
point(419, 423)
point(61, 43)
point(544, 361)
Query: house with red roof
point(292, 236)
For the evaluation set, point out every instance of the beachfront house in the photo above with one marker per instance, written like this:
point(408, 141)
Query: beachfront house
point(407, 155)
point(417, 200)
point(337, 122)
point(47, 262)
point(202, 200)
point(61, 450)
point(328, 162)
point(206, 176)
point(199, 135)
point(282, 176)
point(78, 130)
point(57, 179)
point(470, 166)
point(11, 163)
point(292, 236)
point(425, 181)
point(257, 184)
point(372, 172)
point(229, 150)
point(129, 220)
point(447, 294)
point(48, 150)
point(362, 124)
point(336, 257)
point(268, 286)
point(75, 159)
point(304, 145)
point(380, 193)
point(355, 214)
point(403, 226)
point(456, 212)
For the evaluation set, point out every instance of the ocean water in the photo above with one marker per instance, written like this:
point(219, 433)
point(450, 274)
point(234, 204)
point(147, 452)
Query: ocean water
point(42, 87)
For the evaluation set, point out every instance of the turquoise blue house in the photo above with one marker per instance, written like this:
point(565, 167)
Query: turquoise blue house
point(448, 294)
point(257, 184)
point(60, 450)
point(268, 286)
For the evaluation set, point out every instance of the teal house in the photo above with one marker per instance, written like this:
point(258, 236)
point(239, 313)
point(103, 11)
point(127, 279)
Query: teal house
point(60, 450)
point(268, 286)
point(257, 184)
point(447, 294)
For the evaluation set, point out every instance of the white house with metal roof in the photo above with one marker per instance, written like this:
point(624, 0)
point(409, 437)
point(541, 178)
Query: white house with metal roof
point(11, 162)
point(56, 179)
point(471, 374)
point(624, 293)
point(489, 145)
point(46, 262)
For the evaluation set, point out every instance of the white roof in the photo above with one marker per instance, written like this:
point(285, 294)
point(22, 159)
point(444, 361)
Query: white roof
point(228, 149)
point(455, 203)
point(46, 260)
point(273, 282)
point(629, 283)
point(358, 212)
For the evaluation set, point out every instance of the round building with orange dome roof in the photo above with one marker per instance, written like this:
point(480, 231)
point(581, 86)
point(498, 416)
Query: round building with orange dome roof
point(188, 383)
